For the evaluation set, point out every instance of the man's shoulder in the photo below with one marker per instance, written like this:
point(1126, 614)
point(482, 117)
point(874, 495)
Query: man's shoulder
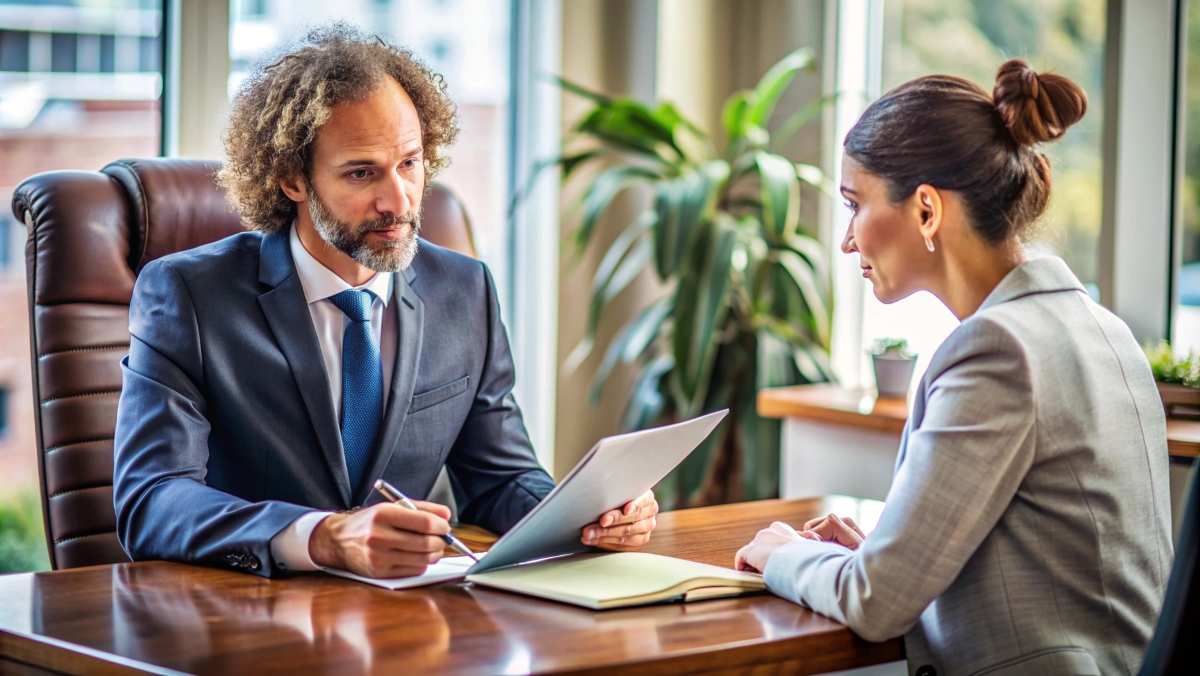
point(215, 257)
point(440, 263)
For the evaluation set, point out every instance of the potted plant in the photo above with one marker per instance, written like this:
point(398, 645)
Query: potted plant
point(748, 301)
point(893, 366)
point(1178, 379)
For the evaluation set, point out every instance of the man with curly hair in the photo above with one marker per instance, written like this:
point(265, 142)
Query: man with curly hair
point(274, 375)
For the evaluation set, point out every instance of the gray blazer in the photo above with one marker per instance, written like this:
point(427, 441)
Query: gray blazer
point(1027, 529)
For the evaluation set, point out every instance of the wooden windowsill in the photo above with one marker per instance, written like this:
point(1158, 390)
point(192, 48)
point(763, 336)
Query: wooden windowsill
point(833, 404)
point(862, 409)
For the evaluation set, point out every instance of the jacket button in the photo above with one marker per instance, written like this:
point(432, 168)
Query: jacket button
point(926, 670)
point(254, 564)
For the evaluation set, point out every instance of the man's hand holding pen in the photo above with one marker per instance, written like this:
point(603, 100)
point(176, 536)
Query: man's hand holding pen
point(382, 541)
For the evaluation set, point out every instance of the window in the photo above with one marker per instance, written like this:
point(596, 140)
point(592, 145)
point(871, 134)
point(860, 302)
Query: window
point(1186, 319)
point(80, 86)
point(970, 39)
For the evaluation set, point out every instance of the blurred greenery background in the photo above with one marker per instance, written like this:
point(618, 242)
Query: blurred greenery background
point(971, 38)
point(22, 538)
point(1191, 159)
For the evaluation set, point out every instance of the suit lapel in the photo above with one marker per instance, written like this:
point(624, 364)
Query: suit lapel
point(411, 319)
point(287, 314)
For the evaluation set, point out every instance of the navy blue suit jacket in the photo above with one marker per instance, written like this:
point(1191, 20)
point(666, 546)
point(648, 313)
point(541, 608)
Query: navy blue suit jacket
point(226, 430)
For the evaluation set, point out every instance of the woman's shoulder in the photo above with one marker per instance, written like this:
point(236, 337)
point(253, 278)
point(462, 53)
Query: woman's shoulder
point(984, 335)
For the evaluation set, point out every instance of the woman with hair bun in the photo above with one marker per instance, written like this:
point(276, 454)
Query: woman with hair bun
point(1027, 529)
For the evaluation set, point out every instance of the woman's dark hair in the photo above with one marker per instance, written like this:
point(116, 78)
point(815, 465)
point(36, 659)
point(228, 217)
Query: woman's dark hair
point(948, 132)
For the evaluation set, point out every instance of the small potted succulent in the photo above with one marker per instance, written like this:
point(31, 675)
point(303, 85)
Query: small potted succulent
point(893, 366)
point(1178, 379)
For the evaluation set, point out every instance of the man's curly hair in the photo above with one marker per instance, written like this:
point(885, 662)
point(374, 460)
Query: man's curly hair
point(281, 106)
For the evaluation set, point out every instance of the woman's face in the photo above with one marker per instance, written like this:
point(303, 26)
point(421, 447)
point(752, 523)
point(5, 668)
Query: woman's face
point(886, 236)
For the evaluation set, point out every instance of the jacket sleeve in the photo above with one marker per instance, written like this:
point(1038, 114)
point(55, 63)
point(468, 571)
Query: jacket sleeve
point(961, 467)
point(492, 466)
point(164, 509)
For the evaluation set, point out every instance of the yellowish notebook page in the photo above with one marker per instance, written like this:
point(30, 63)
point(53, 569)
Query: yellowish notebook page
point(603, 577)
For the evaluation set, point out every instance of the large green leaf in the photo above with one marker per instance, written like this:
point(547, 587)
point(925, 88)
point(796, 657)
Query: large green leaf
point(646, 402)
point(669, 116)
point(733, 113)
point(691, 476)
point(632, 126)
point(813, 363)
point(701, 303)
point(805, 279)
point(599, 196)
point(574, 161)
point(569, 163)
point(798, 119)
point(633, 340)
point(773, 83)
point(580, 90)
point(780, 195)
point(617, 252)
point(760, 436)
point(631, 266)
point(817, 257)
point(682, 206)
point(816, 177)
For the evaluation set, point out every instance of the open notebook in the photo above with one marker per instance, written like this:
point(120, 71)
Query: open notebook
point(602, 581)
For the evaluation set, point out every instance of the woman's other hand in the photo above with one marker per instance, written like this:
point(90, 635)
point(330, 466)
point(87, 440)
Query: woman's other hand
point(753, 557)
point(839, 529)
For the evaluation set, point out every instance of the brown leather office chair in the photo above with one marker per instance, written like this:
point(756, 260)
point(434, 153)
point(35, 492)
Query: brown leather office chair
point(90, 233)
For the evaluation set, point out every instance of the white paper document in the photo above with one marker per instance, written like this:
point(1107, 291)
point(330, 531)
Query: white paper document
point(445, 570)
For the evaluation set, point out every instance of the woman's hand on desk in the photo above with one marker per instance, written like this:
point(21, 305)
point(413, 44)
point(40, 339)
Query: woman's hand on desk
point(382, 541)
point(833, 528)
point(625, 529)
point(839, 529)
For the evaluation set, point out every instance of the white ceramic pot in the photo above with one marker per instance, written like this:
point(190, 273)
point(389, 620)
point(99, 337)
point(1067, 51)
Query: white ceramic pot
point(893, 374)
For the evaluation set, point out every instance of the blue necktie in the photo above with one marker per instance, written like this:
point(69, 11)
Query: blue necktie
point(362, 382)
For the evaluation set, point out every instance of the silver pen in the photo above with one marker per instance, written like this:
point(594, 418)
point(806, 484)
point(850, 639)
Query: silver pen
point(396, 497)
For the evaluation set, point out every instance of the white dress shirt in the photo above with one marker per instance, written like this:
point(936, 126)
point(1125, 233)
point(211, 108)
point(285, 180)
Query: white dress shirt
point(289, 547)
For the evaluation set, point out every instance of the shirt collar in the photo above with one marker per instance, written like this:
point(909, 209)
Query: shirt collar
point(319, 282)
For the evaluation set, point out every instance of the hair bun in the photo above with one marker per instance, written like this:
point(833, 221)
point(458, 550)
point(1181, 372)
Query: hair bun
point(1036, 108)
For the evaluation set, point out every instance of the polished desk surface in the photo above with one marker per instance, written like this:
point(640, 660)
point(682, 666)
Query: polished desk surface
point(166, 617)
point(862, 408)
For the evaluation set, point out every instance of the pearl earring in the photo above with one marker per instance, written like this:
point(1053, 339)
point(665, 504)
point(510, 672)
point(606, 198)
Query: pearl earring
point(928, 243)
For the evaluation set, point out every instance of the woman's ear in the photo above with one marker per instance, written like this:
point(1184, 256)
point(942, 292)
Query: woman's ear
point(930, 208)
point(295, 187)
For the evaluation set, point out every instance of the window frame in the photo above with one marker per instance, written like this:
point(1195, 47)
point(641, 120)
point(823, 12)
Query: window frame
point(1141, 217)
point(533, 259)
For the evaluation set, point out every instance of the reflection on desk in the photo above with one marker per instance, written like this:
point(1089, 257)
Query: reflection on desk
point(163, 617)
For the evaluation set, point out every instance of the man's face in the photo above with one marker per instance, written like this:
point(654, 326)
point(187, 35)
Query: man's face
point(368, 177)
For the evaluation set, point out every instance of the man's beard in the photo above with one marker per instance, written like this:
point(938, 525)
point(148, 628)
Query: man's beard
point(386, 256)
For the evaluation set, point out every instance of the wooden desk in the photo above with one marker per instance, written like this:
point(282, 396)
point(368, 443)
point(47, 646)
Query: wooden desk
point(165, 618)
